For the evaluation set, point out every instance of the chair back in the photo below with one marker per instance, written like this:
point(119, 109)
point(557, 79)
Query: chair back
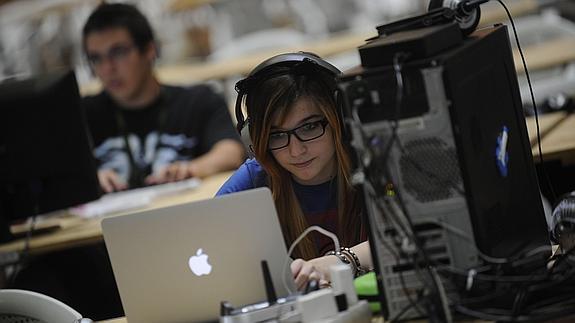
point(26, 306)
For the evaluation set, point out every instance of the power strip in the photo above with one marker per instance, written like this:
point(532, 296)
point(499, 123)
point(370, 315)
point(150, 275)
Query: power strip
point(338, 304)
point(288, 312)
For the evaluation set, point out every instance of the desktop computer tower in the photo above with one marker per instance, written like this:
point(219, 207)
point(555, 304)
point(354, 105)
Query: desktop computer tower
point(459, 164)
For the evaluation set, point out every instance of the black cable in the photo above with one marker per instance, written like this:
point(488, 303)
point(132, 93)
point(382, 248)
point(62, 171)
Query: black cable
point(466, 301)
point(36, 188)
point(554, 281)
point(385, 167)
point(518, 301)
point(481, 315)
point(398, 60)
point(491, 260)
point(548, 302)
point(404, 310)
point(541, 161)
point(383, 161)
point(561, 259)
point(397, 64)
point(494, 278)
point(503, 316)
point(527, 288)
point(356, 123)
point(412, 303)
point(550, 312)
point(515, 262)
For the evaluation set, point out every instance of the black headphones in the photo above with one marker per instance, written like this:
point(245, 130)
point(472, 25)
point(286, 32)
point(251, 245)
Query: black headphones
point(294, 62)
point(290, 63)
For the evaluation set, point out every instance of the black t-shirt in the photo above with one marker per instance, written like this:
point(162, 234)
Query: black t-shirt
point(181, 124)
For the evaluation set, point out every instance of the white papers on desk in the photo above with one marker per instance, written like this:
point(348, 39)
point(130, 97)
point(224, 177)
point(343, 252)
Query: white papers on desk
point(132, 199)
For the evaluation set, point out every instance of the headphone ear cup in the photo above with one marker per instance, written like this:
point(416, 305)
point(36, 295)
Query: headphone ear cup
point(346, 133)
point(247, 141)
point(339, 110)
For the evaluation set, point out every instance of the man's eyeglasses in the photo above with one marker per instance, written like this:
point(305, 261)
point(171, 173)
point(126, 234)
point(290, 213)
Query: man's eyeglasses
point(306, 132)
point(114, 55)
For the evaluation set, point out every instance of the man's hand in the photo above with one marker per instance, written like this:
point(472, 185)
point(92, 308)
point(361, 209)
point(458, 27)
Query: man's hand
point(172, 173)
point(110, 181)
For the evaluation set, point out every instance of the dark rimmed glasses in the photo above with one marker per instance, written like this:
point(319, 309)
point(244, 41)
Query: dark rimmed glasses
point(306, 132)
point(114, 54)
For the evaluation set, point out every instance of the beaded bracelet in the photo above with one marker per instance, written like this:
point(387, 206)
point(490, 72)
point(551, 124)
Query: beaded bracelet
point(352, 256)
point(347, 256)
point(343, 258)
point(340, 255)
point(360, 270)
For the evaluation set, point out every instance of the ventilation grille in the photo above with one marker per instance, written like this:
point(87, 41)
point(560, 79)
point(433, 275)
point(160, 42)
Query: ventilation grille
point(430, 171)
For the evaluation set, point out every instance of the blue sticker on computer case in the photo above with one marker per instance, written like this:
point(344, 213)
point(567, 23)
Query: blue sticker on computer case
point(501, 154)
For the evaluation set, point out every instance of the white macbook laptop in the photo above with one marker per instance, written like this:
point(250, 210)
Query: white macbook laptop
point(176, 264)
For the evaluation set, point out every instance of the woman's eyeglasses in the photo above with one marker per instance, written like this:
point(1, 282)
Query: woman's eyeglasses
point(114, 55)
point(306, 132)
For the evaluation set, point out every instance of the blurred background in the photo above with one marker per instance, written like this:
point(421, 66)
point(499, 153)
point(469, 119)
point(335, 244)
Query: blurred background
point(220, 40)
point(39, 35)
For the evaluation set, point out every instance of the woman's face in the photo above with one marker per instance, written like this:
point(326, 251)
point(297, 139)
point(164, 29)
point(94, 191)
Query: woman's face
point(311, 162)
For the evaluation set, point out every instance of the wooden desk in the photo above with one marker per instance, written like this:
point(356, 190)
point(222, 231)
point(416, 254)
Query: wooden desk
point(493, 12)
point(557, 131)
point(547, 122)
point(81, 232)
point(545, 55)
point(559, 143)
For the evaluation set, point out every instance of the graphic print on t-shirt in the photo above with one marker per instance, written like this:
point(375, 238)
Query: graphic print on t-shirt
point(147, 153)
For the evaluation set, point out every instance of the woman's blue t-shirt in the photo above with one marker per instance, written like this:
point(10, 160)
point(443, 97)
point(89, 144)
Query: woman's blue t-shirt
point(318, 202)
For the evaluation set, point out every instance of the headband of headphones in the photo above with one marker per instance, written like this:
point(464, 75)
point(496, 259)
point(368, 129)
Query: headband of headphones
point(294, 63)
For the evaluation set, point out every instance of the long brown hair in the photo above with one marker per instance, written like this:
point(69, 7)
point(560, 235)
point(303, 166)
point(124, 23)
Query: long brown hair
point(273, 98)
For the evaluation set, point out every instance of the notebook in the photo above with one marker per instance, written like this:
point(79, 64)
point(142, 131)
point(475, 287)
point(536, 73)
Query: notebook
point(176, 264)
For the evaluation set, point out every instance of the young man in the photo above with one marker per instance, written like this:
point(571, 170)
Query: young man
point(144, 132)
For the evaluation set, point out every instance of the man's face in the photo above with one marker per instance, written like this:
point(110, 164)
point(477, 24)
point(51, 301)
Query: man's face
point(122, 68)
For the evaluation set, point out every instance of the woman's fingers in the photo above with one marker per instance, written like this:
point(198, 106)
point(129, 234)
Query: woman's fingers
point(303, 271)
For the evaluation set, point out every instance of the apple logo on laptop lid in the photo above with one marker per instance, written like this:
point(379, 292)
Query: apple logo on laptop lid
point(199, 263)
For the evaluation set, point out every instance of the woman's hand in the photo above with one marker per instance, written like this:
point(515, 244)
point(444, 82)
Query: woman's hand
point(318, 268)
point(315, 269)
point(304, 271)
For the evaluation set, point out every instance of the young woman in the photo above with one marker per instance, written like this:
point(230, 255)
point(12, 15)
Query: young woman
point(300, 154)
